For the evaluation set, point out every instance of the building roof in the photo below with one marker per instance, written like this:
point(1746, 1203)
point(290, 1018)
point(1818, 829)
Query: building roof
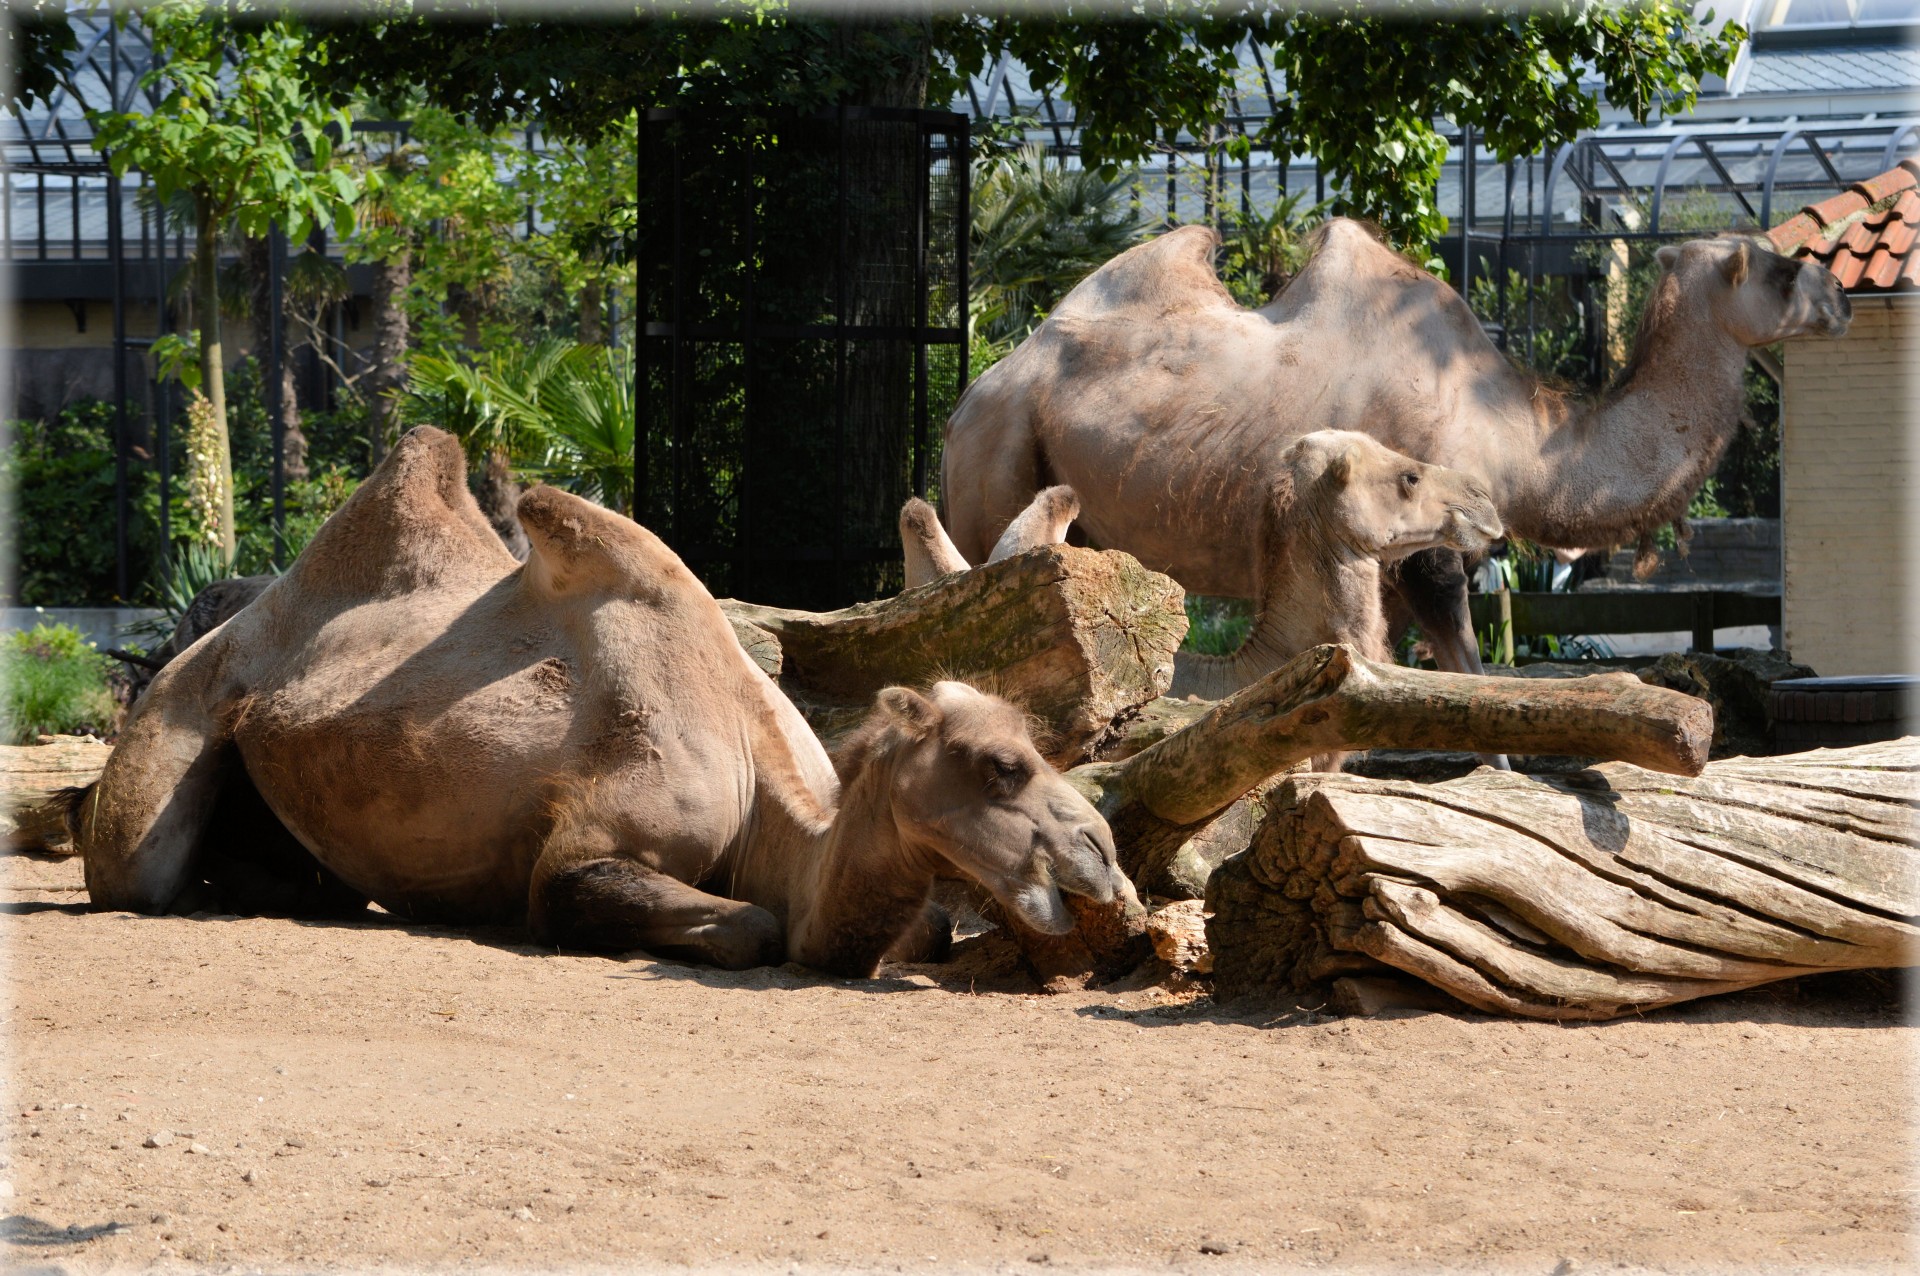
point(1865, 235)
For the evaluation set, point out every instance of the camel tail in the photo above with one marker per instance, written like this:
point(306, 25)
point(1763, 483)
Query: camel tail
point(70, 802)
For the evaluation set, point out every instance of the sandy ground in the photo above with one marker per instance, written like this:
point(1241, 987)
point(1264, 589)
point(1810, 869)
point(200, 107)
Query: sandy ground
point(380, 1095)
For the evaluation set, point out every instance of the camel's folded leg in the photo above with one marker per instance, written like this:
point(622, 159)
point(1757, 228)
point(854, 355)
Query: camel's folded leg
point(613, 904)
point(141, 826)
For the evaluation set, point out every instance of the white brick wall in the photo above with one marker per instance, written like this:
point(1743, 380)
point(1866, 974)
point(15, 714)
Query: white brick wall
point(1848, 452)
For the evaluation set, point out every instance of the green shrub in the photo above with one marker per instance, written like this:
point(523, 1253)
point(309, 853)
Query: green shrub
point(1217, 626)
point(52, 682)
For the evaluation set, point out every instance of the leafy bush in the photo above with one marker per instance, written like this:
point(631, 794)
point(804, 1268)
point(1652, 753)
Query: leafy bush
point(1217, 626)
point(1261, 252)
point(1039, 228)
point(561, 412)
point(62, 533)
point(52, 681)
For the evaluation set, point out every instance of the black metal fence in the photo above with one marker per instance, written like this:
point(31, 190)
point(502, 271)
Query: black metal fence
point(802, 335)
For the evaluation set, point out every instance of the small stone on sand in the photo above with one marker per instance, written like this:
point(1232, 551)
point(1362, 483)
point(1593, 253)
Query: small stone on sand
point(159, 1139)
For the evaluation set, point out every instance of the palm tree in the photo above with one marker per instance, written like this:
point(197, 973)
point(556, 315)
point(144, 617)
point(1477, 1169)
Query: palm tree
point(1040, 227)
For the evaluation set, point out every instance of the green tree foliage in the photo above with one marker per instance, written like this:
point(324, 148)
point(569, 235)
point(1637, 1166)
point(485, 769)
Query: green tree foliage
point(36, 39)
point(1364, 81)
point(246, 140)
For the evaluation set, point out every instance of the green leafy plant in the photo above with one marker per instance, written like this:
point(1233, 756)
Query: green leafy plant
point(1261, 251)
point(1217, 626)
point(1040, 227)
point(52, 682)
point(244, 138)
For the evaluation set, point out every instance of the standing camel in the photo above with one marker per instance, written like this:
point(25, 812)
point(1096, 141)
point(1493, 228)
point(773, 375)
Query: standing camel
point(1167, 406)
point(579, 741)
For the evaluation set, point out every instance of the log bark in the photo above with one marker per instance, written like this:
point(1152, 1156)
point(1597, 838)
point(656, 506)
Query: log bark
point(1581, 897)
point(31, 778)
point(1078, 637)
point(1184, 804)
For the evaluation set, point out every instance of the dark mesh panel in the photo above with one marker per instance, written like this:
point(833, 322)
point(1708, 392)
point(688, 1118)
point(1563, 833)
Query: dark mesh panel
point(802, 291)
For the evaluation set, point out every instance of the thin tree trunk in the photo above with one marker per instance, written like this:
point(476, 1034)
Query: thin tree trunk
point(387, 381)
point(260, 311)
point(213, 372)
point(593, 315)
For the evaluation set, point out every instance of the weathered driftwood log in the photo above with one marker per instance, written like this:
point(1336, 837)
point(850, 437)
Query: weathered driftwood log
point(1182, 805)
point(31, 776)
point(1581, 897)
point(1080, 637)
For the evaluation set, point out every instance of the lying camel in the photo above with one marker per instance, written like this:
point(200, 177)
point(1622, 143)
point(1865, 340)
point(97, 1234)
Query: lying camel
point(1166, 405)
point(930, 552)
point(1338, 508)
point(578, 741)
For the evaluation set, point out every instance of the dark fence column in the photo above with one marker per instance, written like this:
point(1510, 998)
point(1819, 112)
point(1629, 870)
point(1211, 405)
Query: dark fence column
point(802, 336)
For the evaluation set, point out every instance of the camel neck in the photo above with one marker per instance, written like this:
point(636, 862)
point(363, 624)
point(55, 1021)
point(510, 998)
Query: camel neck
point(859, 885)
point(1609, 471)
point(1316, 589)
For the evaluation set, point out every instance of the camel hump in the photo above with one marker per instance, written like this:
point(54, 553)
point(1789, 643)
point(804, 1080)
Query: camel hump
point(413, 522)
point(579, 547)
point(1169, 274)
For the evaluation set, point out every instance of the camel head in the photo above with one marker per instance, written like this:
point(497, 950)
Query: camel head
point(1384, 505)
point(1753, 293)
point(969, 787)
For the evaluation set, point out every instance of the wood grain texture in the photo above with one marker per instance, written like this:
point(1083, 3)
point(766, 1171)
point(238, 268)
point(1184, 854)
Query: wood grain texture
point(1587, 896)
point(31, 777)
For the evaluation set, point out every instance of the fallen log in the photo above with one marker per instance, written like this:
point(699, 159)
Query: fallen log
point(1182, 805)
point(1580, 897)
point(31, 778)
point(1079, 637)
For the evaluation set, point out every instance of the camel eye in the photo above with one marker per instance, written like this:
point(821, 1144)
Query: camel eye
point(1005, 775)
point(1410, 479)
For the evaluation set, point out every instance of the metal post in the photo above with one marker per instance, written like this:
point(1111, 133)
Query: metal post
point(1466, 208)
point(922, 209)
point(642, 378)
point(276, 388)
point(840, 345)
point(162, 392)
point(963, 235)
point(749, 469)
point(116, 248)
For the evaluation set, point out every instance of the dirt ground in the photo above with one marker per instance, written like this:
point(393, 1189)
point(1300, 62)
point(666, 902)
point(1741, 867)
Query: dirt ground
point(379, 1095)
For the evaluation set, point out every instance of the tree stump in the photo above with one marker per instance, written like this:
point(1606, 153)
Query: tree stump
point(1580, 897)
point(1078, 637)
point(31, 778)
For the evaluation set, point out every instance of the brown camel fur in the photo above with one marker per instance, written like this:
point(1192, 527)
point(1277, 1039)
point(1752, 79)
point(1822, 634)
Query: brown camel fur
point(1167, 406)
point(1338, 507)
point(578, 740)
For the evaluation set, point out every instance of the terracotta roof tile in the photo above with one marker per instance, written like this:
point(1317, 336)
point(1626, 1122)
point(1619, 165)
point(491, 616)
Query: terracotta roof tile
point(1866, 235)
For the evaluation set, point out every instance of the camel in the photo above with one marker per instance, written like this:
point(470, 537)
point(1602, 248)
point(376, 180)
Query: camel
point(1167, 406)
point(578, 741)
point(1338, 507)
point(930, 553)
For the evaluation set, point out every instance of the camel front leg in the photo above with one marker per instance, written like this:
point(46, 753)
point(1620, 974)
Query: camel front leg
point(614, 904)
point(1432, 586)
point(141, 826)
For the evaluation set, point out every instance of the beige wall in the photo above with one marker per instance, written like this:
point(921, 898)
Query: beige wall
point(1847, 490)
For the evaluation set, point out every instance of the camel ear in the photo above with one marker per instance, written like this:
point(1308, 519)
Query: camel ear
point(1667, 255)
point(1735, 267)
point(1340, 467)
point(911, 709)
